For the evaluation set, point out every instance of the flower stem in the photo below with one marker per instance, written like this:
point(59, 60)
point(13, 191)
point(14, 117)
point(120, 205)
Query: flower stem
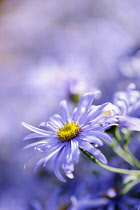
point(116, 170)
point(117, 134)
point(120, 147)
point(132, 157)
point(120, 152)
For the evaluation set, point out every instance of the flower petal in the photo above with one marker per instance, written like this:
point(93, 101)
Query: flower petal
point(92, 139)
point(101, 135)
point(95, 113)
point(56, 166)
point(75, 150)
point(77, 111)
point(33, 136)
point(87, 107)
point(67, 161)
point(95, 152)
point(36, 130)
point(131, 123)
point(47, 157)
point(57, 119)
point(36, 144)
point(64, 111)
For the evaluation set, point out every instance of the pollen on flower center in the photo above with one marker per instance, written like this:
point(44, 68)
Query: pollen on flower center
point(106, 113)
point(68, 131)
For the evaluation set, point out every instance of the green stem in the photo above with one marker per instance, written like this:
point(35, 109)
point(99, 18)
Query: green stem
point(123, 150)
point(120, 152)
point(117, 135)
point(116, 170)
point(133, 159)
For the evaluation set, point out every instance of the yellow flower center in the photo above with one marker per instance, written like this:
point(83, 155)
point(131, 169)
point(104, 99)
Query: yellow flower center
point(68, 131)
point(106, 113)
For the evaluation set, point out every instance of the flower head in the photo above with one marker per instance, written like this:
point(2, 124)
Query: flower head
point(63, 135)
point(109, 195)
point(125, 104)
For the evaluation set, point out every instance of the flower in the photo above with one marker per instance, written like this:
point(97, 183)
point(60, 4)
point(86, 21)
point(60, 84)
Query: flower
point(125, 104)
point(109, 195)
point(111, 201)
point(63, 135)
point(75, 87)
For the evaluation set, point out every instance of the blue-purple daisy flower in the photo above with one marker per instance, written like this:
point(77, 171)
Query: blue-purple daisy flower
point(111, 199)
point(125, 104)
point(62, 136)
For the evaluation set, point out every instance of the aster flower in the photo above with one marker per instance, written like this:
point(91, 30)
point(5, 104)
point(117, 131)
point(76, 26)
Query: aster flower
point(112, 201)
point(125, 104)
point(109, 195)
point(63, 135)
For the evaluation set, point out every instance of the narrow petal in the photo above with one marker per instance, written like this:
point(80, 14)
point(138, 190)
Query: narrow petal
point(95, 113)
point(46, 125)
point(101, 135)
point(36, 130)
point(64, 111)
point(131, 123)
point(67, 161)
point(77, 111)
point(75, 150)
point(95, 152)
point(56, 166)
point(36, 144)
point(101, 126)
point(100, 118)
point(92, 139)
point(123, 106)
point(46, 158)
point(69, 174)
point(55, 123)
point(87, 107)
point(52, 126)
point(43, 124)
point(74, 113)
point(33, 136)
point(58, 118)
point(97, 121)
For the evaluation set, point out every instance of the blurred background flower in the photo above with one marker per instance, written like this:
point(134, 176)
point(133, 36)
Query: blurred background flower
point(54, 50)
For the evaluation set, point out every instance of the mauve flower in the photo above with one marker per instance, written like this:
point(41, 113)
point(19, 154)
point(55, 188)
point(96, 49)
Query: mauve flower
point(63, 135)
point(125, 104)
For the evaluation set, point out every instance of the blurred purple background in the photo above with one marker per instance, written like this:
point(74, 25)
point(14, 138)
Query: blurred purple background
point(44, 46)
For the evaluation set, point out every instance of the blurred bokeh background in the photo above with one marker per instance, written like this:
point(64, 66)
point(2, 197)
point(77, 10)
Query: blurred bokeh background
point(50, 50)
